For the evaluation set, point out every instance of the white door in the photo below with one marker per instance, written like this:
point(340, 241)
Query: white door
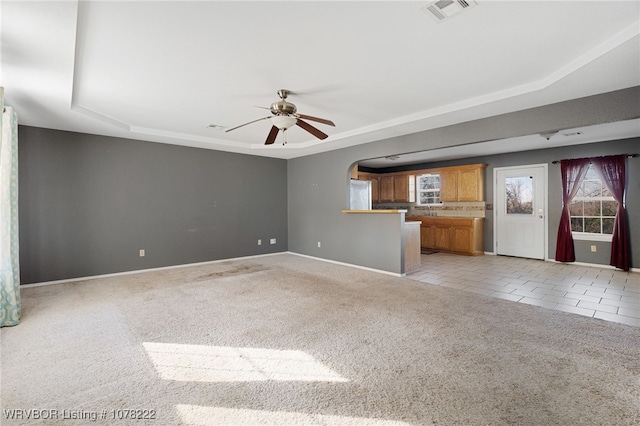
point(520, 211)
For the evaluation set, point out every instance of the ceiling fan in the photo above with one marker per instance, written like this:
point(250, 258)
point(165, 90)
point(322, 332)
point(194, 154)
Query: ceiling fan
point(285, 115)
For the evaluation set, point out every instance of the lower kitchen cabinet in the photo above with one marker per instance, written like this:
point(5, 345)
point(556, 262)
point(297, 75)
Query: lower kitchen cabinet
point(442, 231)
point(427, 239)
point(452, 234)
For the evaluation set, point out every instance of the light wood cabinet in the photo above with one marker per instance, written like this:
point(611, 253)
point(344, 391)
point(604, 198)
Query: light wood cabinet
point(455, 235)
point(427, 237)
point(375, 190)
point(465, 238)
point(442, 230)
point(394, 188)
point(354, 172)
point(448, 185)
point(471, 184)
point(462, 183)
point(386, 189)
point(401, 189)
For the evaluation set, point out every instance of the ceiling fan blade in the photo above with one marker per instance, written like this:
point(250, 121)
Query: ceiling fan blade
point(309, 128)
point(237, 127)
point(319, 120)
point(272, 135)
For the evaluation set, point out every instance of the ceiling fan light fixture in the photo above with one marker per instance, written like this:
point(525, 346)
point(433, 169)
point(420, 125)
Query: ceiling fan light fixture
point(283, 122)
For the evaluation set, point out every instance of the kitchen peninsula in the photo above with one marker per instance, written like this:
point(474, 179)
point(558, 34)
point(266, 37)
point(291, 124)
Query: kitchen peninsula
point(410, 236)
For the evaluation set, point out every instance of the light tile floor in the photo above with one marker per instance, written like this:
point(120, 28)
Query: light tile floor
point(608, 294)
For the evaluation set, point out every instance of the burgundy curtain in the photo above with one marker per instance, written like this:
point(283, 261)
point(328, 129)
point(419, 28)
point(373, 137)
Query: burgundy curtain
point(572, 172)
point(613, 175)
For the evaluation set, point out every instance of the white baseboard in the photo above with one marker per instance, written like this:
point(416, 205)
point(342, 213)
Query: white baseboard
point(187, 265)
point(380, 271)
point(594, 265)
point(590, 265)
point(140, 271)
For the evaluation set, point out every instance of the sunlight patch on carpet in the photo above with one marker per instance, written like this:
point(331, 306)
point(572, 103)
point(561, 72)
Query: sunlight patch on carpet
point(200, 363)
point(201, 416)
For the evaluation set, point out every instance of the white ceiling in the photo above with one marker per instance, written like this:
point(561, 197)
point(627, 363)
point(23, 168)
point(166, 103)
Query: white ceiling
point(163, 71)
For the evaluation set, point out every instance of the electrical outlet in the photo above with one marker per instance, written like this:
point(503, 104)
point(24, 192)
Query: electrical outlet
point(319, 244)
point(259, 242)
point(272, 241)
point(142, 253)
point(594, 249)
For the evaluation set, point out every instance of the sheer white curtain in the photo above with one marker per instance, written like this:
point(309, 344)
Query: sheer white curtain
point(9, 264)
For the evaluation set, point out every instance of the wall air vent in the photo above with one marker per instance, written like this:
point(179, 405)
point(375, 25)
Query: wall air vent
point(441, 10)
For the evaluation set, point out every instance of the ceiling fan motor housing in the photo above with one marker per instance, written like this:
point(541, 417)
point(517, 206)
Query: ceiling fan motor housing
point(283, 108)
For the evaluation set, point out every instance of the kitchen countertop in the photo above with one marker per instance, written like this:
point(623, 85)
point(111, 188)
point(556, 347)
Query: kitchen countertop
point(378, 211)
point(419, 218)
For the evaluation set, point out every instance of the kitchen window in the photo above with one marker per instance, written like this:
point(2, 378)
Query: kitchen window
point(593, 209)
point(428, 189)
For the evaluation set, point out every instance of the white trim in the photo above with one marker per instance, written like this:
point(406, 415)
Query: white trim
point(380, 271)
point(140, 271)
point(418, 191)
point(585, 236)
point(594, 265)
point(590, 265)
point(545, 166)
point(209, 262)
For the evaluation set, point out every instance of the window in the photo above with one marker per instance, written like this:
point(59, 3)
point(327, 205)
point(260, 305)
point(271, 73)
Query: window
point(428, 189)
point(412, 189)
point(519, 194)
point(593, 209)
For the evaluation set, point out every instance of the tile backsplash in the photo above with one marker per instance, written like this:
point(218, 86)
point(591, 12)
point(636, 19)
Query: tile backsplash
point(446, 209)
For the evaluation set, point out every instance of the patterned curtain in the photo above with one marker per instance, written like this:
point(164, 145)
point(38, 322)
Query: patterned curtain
point(9, 265)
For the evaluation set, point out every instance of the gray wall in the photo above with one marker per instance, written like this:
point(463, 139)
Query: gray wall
point(318, 183)
point(89, 203)
point(320, 192)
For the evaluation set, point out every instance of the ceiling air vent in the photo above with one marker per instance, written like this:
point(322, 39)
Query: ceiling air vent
point(441, 10)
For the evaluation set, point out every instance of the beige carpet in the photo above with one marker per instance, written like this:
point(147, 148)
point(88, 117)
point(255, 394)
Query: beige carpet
point(288, 340)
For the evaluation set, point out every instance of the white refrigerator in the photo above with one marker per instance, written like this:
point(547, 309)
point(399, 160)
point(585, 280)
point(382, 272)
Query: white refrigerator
point(360, 195)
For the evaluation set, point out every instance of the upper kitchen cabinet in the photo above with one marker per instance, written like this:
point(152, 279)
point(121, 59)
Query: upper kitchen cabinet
point(401, 188)
point(394, 188)
point(354, 172)
point(462, 183)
